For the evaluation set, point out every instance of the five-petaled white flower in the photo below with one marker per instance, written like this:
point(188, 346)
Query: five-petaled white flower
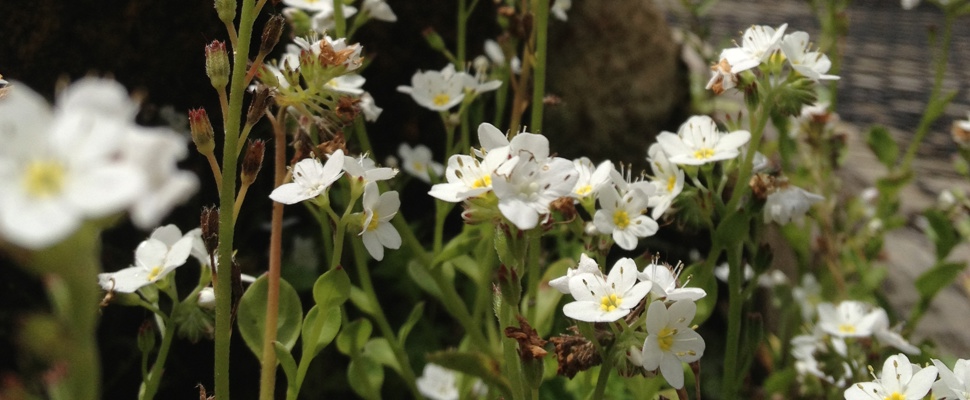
point(376, 229)
point(811, 64)
point(437, 90)
point(60, 168)
point(698, 141)
point(671, 340)
point(155, 258)
point(900, 380)
point(591, 178)
point(437, 383)
point(527, 189)
point(789, 203)
point(665, 283)
point(955, 384)
point(667, 179)
point(606, 300)
point(364, 169)
point(850, 319)
point(586, 266)
point(418, 162)
point(623, 215)
point(310, 179)
point(757, 44)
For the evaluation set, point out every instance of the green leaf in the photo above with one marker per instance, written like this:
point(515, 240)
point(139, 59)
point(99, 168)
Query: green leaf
point(419, 274)
point(883, 146)
point(252, 315)
point(354, 336)
point(287, 362)
point(319, 329)
point(474, 364)
point(506, 254)
point(365, 376)
point(361, 301)
point(413, 318)
point(941, 232)
point(332, 288)
point(937, 278)
point(457, 246)
point(470, 267)
point(380, 350)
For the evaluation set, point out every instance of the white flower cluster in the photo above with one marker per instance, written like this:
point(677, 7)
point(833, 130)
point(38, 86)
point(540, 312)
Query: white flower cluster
point(670, 339)
point(84, 160)
point(322, 11)
point(758, 44)
point(901, 379)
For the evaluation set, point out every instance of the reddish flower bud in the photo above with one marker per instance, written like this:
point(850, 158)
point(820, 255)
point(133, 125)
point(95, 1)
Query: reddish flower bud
point(202, 132)
point(217, 64)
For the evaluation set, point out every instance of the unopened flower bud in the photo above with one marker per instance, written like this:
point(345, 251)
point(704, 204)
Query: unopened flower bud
point(252, 161)
point(217, 64)
point(209, 223)
point(146, 337)
point(434, 40)
point(202, 132)
point(226, 10)
point(207, 298)
point(259, 104)
point(271, 34)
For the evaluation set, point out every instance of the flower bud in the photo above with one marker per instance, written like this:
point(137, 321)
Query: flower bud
point(434, 40)
point(209, 223)
point(146, 337)
point(226, 10)
point(202, 132)
point(259, 104)
point(271, 34)
point(252, 161)
point(217, 64)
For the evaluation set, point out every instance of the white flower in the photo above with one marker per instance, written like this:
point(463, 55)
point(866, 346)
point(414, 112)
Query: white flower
point(586, 266)
point(59, 169)
point(766, 280)
point(437, 90)
point(437, 383)
point(811, 64)
point(526, 190)
point(418, 162)
point(789, 203)
point(952, 384)
point(364, 169)
point(599, 300)
point(349, 84)
point(667, 179)
point(671, 341)
point(323, 21)
point(698, 141)
point(850, 319)
point(310, 179)
point(379, 10)
point(156, 151)
point(909, 4)
point(467, 177)
point(897, 381)
point(494, 53)
point(888, 336)
point(757, 44)
point(623, 216)
point(155, 257)
point(369, 107)
point(377, 231)
point(665, 283)
point(591, 178)
point(559, 8)
point(291, 59)
point(807, 295)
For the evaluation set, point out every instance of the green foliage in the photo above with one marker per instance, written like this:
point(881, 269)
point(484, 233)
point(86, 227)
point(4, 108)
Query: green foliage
point(332, 288)
point(319, 329)
point(365, 376)
point(413, 318)
point(941, 232)
point(252, 316)
point(883, 146)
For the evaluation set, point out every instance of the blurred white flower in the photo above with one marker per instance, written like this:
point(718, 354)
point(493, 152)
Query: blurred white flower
point(379, 10)
point(899, 379)
point(377, 231)
point(310, 179)
point(364, 169)
point(850, 319)
point(671, 340)
point(606, 300)
point(789, 203)
point(437, 90)
point(910, 4)
point(60, 168)
point(323, 20)
point(698, 141)
point(667, 178)
point(559, 9)
point(369, 107)
point(157, 151)
point(437, 383)
point(349, 84)
point(157, 256)
point(953, 384)
point(418, 162)
point(757, 44)
point(494, 53)
point(811, 64)
point(888, 336)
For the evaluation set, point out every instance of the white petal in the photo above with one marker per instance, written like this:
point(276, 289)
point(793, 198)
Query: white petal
point(36, 224)
point(389, 237)
point(290, 193)
point(129, 279)
point(673, 372)
point(101, 191)
point(373, 245)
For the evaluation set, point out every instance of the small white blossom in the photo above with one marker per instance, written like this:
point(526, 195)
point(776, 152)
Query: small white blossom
point(437, 383)
point(526, 190)
point(418, 162)
point(671, 340)
point(369, 107)
point(667, 178)
point(811, 64)
point(586, 266)
point(955, 384)
point(591, 178)
point(559, 9)
point(157, 256)
point(437, 90)
point(899, 379)
point(888, 336)
point(157, 151)
point(348, 84)
point(494, 53)
point(623, 217)
point(850, 319)
point(606, 300)
point(665, 283)
point(698, 141)
point(377, 231)
point(789, 203)
point(379, 10)
point(310, 179)
point(757, 44)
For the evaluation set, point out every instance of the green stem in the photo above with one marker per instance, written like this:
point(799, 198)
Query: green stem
point(510, 355)
point(741, 187)
point(363, 271)
point(531, 264)
point(928, 117)
point(340, 23)
point(732, 372)
point(155, 376)
point(227, 198)
point(462, 35)
point(604, 376)
point(541, 11)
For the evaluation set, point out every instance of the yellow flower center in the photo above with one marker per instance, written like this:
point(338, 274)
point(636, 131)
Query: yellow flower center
point(418, 166)
point(485, 181)
point(704, 153)
point(846, 328)
point(610, 303)
point(665, 339)
point(154, 274)
point(441, 99)
point(44, 179)
point(584, 190)
point(621, 219)
point(671, 182)
point(896, 396)
point(374, 220)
